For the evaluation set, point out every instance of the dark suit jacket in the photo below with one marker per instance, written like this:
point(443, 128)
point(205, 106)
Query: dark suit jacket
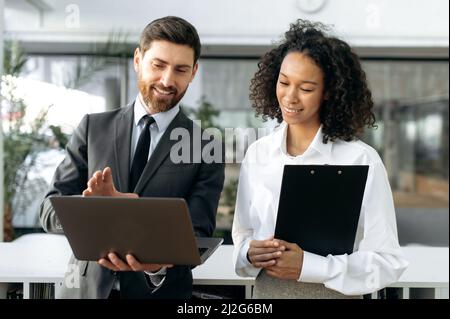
point(104, 139)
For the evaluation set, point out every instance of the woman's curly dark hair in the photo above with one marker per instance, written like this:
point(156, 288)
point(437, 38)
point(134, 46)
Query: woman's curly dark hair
point(348, 107)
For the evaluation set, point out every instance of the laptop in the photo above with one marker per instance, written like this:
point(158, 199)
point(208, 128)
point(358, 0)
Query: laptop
point(154, 230)
point(320, 205)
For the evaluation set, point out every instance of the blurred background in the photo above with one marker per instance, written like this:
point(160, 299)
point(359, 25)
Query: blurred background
point(63, 59)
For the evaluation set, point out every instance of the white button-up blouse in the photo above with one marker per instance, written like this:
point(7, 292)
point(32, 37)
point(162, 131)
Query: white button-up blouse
point(377, 260)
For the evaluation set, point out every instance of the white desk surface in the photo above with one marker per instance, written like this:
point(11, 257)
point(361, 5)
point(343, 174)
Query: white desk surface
point(34, 258)
point(428, 267)
point(44, 258)
point(219, 269)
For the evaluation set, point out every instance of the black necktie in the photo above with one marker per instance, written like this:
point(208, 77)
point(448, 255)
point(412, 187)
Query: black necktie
point(141, 154)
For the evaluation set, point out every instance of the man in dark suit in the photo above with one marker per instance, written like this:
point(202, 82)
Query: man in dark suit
point(130, 152)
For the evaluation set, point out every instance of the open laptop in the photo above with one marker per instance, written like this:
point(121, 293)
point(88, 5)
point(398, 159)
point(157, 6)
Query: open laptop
point(154, 230)
point(320, 206)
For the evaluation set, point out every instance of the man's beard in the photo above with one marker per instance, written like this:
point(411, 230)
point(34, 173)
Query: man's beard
point(152, 102)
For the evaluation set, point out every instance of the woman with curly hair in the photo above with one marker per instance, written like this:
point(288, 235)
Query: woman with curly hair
point(313, 84)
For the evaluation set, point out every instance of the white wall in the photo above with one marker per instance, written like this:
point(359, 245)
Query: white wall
point(364, 23)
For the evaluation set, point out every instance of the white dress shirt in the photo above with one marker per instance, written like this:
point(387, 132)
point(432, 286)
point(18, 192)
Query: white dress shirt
point(377, 260)
point(157, 130)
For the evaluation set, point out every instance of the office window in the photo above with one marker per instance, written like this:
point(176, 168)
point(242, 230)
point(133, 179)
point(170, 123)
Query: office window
point(42, 83)
point(411, 107)
point(412, 103)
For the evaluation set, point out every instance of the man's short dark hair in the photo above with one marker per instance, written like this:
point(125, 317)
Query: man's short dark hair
point(172, 29)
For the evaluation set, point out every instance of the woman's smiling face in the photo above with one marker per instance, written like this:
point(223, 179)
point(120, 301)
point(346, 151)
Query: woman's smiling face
point(300, 89)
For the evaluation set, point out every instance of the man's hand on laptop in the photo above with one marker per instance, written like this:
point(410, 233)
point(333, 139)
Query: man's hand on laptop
point(102, 184)
point(113, 262)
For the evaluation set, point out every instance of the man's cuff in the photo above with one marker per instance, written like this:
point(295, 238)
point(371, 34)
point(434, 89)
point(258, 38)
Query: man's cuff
point(162, 271)
point(314, 268)
point(157, 278)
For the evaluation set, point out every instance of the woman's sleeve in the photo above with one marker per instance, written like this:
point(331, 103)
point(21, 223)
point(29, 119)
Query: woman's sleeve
point(242, 231)
point(378, 261)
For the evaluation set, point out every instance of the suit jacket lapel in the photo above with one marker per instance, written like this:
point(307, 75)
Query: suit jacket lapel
point(161, 151)
point(122, 142)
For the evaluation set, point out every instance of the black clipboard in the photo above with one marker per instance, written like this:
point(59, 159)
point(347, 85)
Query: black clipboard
point(320, 205)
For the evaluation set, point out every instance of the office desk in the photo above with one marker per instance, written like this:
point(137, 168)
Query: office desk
point(42, 258)
point(219, 270)
point(34, 258)
point(428, 269)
